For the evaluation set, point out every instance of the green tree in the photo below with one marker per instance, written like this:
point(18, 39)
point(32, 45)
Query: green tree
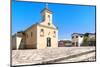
point(86, 40)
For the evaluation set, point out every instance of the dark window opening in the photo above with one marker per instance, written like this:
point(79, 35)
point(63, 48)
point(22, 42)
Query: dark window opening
point(54, 34)
point(81, 36)
point(76, 43)
point(42, 32)
point(49, 16)
point(48, 23)
point(76, 36)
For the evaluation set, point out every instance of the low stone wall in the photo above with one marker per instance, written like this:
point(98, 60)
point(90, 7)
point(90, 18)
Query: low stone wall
point(40, 56)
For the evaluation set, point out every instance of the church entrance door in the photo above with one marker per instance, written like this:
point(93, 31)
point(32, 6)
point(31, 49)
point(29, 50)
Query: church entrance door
point(48, 42)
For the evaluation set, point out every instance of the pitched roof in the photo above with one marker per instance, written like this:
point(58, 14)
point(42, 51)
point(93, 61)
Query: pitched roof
point(78, 34)
point(83, 34)
point(46, 9)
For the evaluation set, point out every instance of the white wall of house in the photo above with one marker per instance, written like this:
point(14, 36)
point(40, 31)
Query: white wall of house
point(18, 42)
point(74, 40)
point(80, 41)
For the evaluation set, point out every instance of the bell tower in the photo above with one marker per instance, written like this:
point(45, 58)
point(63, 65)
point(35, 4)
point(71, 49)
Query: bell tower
point(47, 15)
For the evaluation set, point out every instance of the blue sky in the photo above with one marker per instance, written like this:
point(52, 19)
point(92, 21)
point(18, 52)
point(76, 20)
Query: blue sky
point(69, 18)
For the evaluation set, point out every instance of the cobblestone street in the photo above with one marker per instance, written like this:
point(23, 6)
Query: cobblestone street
point(53, 55)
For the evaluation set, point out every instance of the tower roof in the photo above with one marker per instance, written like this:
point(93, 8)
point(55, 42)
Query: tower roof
point(46, 9)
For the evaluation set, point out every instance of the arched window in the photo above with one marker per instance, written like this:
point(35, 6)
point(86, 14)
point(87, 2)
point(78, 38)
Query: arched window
point(48, 16)
point(48, 23)
point(54, 33)
point(49, 20)
point(42, 32)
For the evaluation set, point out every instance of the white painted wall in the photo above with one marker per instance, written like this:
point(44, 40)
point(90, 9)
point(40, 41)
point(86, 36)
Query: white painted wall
point(80, 41)
point(18, 41)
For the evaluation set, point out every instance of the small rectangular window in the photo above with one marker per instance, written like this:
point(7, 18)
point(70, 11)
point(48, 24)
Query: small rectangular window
point(76, 43)
point(81, 36)
point(76, 36)
point(73, 43)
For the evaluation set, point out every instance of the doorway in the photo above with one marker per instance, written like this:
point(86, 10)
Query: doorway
point(48, 42)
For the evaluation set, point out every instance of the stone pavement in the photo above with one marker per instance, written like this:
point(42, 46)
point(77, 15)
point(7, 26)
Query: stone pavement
point(41, 56)
point(81, 58)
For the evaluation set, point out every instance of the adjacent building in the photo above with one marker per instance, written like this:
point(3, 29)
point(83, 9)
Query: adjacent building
point(38, 36)
point(77, 38)
point(64, 43)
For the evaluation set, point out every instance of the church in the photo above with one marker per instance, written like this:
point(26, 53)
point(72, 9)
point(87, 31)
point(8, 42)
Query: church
point(38, 36)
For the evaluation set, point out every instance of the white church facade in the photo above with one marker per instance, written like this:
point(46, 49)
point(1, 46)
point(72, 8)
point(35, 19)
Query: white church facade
point(38, 36)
